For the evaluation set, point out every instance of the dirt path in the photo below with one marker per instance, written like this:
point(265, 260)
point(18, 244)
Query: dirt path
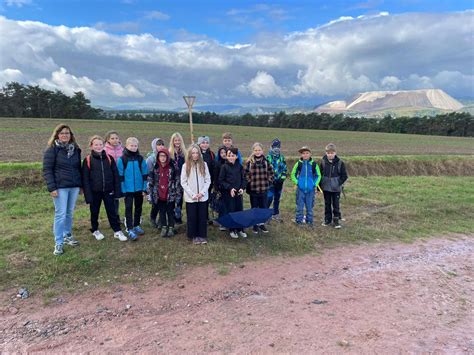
point(387, 298)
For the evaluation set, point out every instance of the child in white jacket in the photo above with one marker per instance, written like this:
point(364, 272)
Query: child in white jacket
point(195, 180)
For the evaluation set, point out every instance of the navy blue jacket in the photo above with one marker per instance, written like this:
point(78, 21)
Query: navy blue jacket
point(59, 171)
point(100, 175)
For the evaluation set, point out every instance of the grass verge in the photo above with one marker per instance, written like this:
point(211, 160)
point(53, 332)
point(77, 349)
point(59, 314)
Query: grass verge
point(376, 208)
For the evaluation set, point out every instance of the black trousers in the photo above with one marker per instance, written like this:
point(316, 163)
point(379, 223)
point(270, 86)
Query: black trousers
point(166, 210)
point(233, 204)
point(117, 207)
point(109, 203)
point(196, 216)
point(331, 205)
point(133, 219)
point(259, 200)
point(154, 212)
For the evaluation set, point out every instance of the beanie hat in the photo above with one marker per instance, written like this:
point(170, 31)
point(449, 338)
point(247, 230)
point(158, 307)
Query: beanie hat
point(331, 147)
point(204, 139)
point(276, 143)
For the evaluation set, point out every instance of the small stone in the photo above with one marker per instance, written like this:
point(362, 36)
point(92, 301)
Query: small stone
point(205, 321)
point(128, 306)
point(181, 286)
point(86, 284)
point(242, 266)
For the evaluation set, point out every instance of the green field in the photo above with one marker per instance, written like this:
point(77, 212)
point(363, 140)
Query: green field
point(25, 139)
point(377, 208)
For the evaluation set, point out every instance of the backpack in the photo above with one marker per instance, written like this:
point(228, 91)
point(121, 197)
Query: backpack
point(313, 167)
point(88, 160)
point(125, 162)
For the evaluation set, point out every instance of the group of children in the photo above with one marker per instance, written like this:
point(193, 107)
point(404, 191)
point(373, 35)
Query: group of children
point(169, 176)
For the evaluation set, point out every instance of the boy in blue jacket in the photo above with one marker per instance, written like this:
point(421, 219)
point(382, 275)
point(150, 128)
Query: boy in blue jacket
point(277, 160)
point(133, 173)
point(306, 176)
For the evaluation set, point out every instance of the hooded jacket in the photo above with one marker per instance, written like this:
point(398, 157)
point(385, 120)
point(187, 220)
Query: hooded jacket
point(156, 178)
point(134, 177)
point(151, 157)
point(333, 174)
point(306, 175)
point(61, 171)
point(100, 175)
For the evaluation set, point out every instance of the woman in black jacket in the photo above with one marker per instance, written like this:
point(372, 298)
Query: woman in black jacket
point(62, 173)
point(101, 182)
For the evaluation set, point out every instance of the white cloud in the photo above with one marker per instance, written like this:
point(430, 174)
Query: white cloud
point(263, 85)
point(157, 15)
point(8, 75)
point(377, 52)
point(17, 3)
point(69, 84)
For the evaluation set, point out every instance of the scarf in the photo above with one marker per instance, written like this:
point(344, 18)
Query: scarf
point(68, 146)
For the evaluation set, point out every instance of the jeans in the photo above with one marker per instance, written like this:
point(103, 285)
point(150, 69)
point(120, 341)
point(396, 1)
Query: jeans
point(259, 201)
point(274, 195)
point(304, 199)
point(63, 212)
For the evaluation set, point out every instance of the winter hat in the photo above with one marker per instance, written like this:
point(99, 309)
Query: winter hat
point(331, 147)
point(276, 143)
point(203, 139)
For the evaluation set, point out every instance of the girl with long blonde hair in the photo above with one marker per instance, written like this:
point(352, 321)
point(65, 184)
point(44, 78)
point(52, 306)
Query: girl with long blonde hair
point(195, 180)
point(177, 150)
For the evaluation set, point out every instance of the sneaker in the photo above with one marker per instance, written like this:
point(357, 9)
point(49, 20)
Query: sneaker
point(196, 241)
point(202, 240)
point(337, 225)
point(221, 228)
point(98, 235)
point(164, 232)
point(70, 240)
point(277, 218)
point(263, 228)
point(242, 234)
point(138, 230)
point(325, 224)
point(234, 235)
point(255, 229)
point(120, 236)
point(170, 232)
point(58, 249)
point(131, 234)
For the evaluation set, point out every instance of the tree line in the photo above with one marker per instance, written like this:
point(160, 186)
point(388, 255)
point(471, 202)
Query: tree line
point(17, 100)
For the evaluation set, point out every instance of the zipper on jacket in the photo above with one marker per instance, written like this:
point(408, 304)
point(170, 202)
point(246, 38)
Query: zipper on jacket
point(197, 178)
point(103, 175)
point(306, 179)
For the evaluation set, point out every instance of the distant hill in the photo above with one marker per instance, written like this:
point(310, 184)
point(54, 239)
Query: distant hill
point(404, 102)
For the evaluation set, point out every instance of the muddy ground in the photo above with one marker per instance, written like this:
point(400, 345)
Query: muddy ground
point(386, 298)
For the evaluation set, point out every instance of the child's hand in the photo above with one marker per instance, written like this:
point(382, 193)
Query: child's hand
point(241, 191)
point(232, 192)
point(144, 193)
point(54, 193)
point(296, 187)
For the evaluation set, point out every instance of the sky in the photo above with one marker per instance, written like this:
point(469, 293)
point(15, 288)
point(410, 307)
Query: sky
point(150, 53)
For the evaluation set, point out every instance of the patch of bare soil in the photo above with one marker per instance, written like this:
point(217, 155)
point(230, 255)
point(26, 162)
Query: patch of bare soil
point(387, 298)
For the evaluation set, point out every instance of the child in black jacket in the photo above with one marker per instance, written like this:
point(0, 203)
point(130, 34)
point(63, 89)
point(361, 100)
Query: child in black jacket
point(101, 183)
point(232, 185)
point(333, 176)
